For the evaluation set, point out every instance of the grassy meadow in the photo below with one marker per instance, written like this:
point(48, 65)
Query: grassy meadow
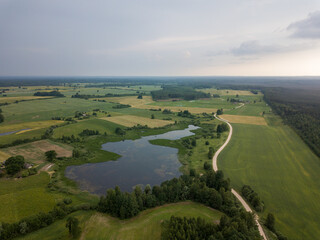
point(277, 164)
point(24, 197)
point(147, 225)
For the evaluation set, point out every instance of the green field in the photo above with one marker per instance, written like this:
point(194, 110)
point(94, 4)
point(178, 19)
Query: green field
point(24, 197)
point(147, 225)
point(282, 169)
point(93, 124)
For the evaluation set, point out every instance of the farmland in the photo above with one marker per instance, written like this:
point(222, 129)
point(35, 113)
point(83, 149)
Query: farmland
point(35, 151)
point(282, 169)
point(261, 146)
point(245, 119)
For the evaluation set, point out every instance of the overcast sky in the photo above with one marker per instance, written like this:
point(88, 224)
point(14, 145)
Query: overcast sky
point(159, 37)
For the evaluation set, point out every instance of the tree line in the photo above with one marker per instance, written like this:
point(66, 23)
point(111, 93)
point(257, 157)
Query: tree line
point(299, 108)
point(178, 92)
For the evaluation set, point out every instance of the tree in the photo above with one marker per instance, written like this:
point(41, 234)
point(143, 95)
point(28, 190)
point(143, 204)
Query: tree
point(1, 118)
point(270, 222)
point(210, 153)
point(14, 164)
point(220, 111)
point(140, 96)
point(73, 226)
point(51, 155)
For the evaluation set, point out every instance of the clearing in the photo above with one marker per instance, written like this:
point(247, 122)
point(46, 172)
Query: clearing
point(244, 119)
point(130, 121)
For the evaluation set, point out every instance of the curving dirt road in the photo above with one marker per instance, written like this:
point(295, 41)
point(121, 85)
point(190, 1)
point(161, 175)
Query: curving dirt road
point(234, 192)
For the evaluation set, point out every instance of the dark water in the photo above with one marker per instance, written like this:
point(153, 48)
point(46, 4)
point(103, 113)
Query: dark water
point(8, 133)
point(141, 163)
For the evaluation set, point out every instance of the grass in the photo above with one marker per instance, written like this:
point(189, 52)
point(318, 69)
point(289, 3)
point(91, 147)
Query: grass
point(250, 109)
point(37, 129)
point(147, 225)
point(130, 121)
point(244, 119)
point(26, 125)
point(35, 151)
point(19, 98)
point(92, 124)
point(25, 197)
point(278, 165)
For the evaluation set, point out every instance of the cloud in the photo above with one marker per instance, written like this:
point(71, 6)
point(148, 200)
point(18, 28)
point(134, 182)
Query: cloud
point(255, 48)
point(306, 28)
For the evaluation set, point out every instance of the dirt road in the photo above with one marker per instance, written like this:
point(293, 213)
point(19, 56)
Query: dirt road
point(234, 192)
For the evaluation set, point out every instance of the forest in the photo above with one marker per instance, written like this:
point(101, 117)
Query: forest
point(178, 92)
point(299, 108)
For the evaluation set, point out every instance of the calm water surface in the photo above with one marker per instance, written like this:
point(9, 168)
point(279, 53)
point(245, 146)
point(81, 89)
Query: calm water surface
point(140, 163)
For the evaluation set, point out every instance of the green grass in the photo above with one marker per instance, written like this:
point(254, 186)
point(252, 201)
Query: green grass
point(250, 109)
point(25, 197)
point(277, 164)
point(93, 124)
point(147, 225)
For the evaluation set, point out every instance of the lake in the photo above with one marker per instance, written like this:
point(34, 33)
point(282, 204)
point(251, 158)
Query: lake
point(141, 163)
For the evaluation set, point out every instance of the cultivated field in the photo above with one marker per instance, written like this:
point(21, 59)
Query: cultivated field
point(20, 98)
point(148, 103)
point(130, 121)
point(35, 151)
point(146, 225)
point(282, 170)
point(244, 119)
point(29, 126)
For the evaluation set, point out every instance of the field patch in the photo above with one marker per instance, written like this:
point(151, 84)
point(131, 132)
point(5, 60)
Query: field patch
point(24, 197)
point(146, 102)
point(21, 98)
point(4, 156)
point(130, 121)
point(281, 168)
point(35, 151)
point(28, 126)
point(244, 119)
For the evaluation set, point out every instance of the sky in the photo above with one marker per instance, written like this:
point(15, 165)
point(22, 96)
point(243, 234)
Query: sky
point(159, 37)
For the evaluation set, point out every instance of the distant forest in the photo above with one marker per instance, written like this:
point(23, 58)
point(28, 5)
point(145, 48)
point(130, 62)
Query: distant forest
point(299, 108)
point(178, 92)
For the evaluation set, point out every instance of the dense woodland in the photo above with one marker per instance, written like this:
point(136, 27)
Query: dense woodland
point(52, 93)
point(300, 108)
point(178, 92)
point(178, 228)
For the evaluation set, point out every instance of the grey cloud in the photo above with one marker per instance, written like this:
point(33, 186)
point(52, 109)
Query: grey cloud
point(307, 28)
point(255, 48)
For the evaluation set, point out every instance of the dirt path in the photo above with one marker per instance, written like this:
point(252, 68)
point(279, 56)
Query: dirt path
point(45, 168)
point(234, 192)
